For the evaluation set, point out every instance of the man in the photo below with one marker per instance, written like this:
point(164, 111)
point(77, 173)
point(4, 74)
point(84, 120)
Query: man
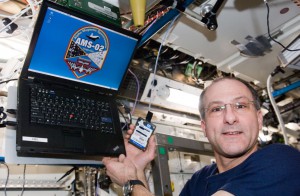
point(231, 120)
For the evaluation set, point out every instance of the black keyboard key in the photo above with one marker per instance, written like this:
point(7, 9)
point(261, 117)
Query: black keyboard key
point(37, 115)
point(52, 107)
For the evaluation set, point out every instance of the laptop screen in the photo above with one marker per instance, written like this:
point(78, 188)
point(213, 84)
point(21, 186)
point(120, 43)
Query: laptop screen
point(72, 48)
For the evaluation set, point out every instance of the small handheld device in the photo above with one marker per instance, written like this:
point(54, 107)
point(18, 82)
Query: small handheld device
point(141, 134)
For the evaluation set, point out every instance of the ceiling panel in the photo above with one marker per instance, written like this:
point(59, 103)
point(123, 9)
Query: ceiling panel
point(237, 19)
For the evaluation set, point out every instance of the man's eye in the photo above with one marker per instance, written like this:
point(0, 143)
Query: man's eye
point(241, 106)
point(216, 109)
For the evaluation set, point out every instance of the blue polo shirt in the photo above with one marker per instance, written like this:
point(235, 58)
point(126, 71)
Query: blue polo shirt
point(271, 171)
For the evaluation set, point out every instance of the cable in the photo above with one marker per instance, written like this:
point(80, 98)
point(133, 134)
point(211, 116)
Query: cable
point(10, 75)
point(6, 81)
point(18, 67)
point(150, 174)
point(23, 187)
point(157, 57)
point(137, 92)
point(7, 177)
point(20, 14)
point(32, 4)
point(150, 25)
point(277, 112)
point(268, 25)
point(16, 18)
point(181, 170)
point(127, 111)
point(125, 120)
point(67, 173)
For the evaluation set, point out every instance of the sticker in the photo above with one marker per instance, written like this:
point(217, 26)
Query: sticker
point(87, 51)
point(35, 139)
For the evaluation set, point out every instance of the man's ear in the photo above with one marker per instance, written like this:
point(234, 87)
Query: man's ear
point(260, 119)
point(203, 127)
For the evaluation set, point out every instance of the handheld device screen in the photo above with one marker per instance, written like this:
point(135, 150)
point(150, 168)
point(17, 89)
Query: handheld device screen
point(141, 134)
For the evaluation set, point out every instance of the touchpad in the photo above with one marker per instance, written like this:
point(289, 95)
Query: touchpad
point(73, 140)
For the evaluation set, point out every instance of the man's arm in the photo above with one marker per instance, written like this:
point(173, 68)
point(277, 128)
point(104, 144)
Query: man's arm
point(139, 190)
point(122, 170)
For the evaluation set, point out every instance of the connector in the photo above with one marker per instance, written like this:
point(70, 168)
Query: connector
point(10, 123)
point(277, 70)
point(11, 111)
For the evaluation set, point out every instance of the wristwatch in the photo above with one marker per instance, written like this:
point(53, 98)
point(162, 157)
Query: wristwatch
point(128, 186)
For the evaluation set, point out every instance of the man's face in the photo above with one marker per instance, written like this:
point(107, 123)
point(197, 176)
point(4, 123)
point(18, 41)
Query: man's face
point(231, 121)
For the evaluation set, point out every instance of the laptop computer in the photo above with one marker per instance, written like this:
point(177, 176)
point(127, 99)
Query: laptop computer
point(68, 86)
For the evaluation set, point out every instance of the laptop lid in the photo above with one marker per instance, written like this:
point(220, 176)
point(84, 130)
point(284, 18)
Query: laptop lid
point(89, 53)
point(69, 48)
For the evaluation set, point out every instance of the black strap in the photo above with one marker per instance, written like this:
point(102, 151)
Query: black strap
point(137, 182)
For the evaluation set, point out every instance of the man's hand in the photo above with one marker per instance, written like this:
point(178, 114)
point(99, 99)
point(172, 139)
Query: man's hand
point(138, 157)
point(131, 167)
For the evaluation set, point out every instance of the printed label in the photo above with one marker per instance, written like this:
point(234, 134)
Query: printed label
point(35, 139)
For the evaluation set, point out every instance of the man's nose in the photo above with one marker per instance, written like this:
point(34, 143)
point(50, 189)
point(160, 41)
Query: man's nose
point(229, 115)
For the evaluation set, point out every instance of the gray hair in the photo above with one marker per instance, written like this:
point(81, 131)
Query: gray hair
point(254, 93)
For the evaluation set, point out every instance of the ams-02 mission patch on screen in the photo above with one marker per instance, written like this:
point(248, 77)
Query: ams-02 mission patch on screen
point(76, 49)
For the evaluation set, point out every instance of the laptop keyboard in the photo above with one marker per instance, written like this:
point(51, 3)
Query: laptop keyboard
point(51, 107)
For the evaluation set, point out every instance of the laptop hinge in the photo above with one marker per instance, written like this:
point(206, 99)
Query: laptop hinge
point(30, 78)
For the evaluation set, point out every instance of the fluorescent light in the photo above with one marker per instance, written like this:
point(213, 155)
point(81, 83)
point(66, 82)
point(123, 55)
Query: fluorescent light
point(183, 98)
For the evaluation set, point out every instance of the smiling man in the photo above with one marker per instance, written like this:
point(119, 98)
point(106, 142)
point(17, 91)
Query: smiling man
point(231, 120)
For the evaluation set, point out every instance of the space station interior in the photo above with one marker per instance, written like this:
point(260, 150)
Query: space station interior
point(183, 45)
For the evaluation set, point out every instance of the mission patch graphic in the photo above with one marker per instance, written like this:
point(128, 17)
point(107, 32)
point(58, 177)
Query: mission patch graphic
point(87, 50)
